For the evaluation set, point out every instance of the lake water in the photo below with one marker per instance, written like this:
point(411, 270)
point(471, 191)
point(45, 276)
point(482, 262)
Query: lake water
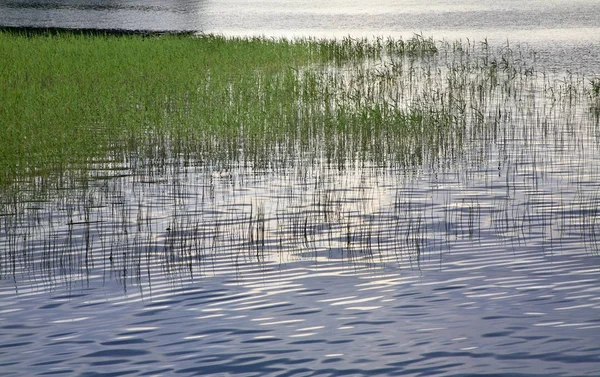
point(484, 263)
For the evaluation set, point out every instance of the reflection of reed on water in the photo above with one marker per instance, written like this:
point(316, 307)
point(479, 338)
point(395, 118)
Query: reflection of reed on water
point(128, 230)
point(388, 153)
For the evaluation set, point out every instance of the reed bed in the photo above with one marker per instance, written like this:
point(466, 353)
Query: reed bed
point(71, 100)
point(134, 152)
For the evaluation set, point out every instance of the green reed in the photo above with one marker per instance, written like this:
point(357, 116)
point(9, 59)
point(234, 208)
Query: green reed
point(71, 100)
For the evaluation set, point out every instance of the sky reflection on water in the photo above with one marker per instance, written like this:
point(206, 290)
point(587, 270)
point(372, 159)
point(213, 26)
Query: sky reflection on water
point(466, 18)
point(564, 32)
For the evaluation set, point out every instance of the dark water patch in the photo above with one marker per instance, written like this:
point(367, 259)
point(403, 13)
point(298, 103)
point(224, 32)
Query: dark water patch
point(180, 353)
point(497, 334)
point(89, 305)
point(215, 331)
point(163, 303)
point(203, 295)
point(71, 342)
point(186, 342)
point(312, 292)
point(246, 332)
point(14, 345)
point(312, 341)
point(456, 354)
point(10, 363)
point(108, 374)
point(118, 353)
point(365, 333)
point(19, 327)
point(125, 342)
point(303, 312)
point(502, 317)
point(49, 31)
point(410, 306)
point(450, 287)
point(560, 340)
point(340, 341)
point(510, 343)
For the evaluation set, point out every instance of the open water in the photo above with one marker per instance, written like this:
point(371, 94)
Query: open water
point(487, 266)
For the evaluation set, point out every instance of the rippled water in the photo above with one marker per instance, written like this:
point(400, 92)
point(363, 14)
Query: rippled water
point(484, 264)
point(311, 270)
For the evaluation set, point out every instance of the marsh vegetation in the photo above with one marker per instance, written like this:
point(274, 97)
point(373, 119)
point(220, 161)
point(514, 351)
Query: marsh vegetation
point(134, 152)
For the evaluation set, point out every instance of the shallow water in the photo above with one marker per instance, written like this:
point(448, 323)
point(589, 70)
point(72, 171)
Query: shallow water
point(311, 270)
point(483, 263)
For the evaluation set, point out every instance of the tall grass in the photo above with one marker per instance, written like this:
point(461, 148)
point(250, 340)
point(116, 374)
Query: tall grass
point(69, 100)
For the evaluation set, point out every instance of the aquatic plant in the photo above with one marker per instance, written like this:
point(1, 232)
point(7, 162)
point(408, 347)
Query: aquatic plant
point(72, 100)
point(199, 148)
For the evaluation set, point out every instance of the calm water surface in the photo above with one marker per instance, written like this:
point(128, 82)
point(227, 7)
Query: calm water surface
point(484, 264)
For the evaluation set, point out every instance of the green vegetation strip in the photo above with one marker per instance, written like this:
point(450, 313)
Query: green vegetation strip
point(69, 100)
